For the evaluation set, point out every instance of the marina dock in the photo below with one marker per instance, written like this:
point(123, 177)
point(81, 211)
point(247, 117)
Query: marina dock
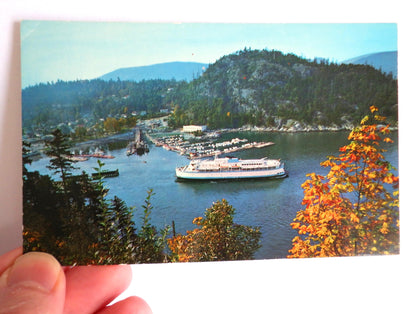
point(204, 148)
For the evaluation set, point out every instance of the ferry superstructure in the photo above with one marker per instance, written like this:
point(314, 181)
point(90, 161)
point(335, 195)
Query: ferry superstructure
point(231, 168)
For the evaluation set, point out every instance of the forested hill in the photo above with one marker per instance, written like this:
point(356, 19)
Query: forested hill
point(269, 87)
point(249, 87)
point(84, 102)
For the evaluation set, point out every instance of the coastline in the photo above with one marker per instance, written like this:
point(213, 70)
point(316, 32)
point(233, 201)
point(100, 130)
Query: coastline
point(297, 127)
point(291, 126)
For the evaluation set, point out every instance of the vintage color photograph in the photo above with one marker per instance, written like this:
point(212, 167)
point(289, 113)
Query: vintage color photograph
point(192, 142)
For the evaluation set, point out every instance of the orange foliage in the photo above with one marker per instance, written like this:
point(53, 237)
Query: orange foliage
point(217, 238)
point(350, 211)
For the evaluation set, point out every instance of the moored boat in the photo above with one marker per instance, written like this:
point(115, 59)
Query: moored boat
point(105, 174)
point(231, 168)
point(78, 158)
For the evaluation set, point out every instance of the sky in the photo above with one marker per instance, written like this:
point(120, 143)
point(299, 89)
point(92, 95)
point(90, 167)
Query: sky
point(52, 50)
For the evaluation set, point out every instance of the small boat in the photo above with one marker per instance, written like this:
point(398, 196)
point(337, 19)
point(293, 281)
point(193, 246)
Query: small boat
point(78, 158)
point(105, 174)
point(263, 144)
point(231, 168)
point(102, 155)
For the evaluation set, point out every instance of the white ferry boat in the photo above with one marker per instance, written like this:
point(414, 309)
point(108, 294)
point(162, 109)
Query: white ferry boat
point(231, 168)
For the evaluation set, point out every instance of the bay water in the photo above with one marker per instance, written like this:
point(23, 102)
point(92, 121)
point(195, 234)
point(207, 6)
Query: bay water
point(270, 204)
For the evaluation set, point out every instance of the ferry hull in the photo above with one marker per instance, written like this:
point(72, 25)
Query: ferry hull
point(230, 175)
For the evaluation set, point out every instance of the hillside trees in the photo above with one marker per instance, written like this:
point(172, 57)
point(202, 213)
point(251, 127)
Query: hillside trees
point(353, 210)
point(261, 86)
point(41, 220)
point(45, 106)
point(250, 84)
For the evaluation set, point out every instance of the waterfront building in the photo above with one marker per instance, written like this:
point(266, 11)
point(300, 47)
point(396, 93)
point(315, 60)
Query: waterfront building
point(194, 128)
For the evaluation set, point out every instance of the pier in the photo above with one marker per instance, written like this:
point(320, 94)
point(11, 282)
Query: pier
point(139, 145)
point(204, 148)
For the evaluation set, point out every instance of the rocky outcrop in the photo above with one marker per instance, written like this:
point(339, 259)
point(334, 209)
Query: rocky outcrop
point(275, 84)
point(293, 126)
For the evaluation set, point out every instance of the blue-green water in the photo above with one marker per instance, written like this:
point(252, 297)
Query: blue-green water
point(270, 204)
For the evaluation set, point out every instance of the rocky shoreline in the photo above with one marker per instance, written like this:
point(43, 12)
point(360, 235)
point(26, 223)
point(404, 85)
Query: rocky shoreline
point(298, 127)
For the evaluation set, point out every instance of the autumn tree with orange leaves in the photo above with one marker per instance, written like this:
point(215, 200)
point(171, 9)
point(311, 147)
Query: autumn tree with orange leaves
point(217, 238)
point(354, 209)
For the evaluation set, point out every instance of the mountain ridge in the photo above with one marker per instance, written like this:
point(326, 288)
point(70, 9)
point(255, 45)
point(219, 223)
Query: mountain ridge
point(248, 87)
point(178, 70)
point(386, 61)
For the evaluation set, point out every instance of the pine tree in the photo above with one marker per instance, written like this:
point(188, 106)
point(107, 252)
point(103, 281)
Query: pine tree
point(151, 245)
point(58, 150)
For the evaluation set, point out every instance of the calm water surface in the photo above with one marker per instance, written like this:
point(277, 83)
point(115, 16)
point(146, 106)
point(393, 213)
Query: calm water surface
point(270, 204)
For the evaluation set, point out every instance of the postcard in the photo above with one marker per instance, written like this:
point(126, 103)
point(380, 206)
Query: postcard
point(193, 142)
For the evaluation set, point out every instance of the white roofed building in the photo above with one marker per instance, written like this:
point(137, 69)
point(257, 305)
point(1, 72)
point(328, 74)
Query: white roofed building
point(194, 128)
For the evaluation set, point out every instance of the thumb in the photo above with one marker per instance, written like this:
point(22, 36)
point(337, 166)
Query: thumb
point(35, 283)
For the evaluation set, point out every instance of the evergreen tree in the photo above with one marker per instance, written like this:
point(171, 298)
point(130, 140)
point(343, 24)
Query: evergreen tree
point(60, 156)
point(126, 233)
point(151, 245)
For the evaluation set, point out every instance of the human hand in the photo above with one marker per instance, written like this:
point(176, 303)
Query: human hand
point(36, 283)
